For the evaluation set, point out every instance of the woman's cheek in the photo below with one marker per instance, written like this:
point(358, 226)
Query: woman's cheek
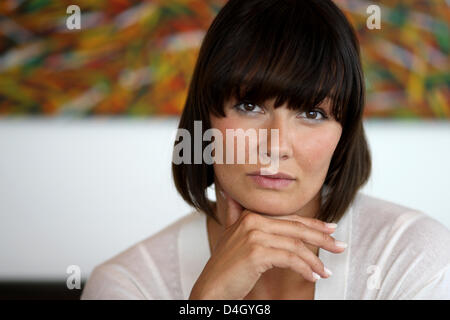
point(233, 124)
point(319, 148)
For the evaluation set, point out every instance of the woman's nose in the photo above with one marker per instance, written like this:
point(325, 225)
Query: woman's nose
point(279, 138)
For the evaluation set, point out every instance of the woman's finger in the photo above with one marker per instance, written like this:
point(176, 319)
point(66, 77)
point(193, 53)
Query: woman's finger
point(310, 222)
point(295, 229)
point(294, 245)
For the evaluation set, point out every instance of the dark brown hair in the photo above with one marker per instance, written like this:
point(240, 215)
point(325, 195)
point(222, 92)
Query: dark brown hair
point(299, 51)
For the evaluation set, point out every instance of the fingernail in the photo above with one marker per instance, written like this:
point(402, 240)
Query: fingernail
point(327, 271)
point(340, 244)
point(316, 276)
point(331, 225)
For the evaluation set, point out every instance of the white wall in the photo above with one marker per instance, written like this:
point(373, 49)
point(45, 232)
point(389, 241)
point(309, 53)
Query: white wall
point(80, 191)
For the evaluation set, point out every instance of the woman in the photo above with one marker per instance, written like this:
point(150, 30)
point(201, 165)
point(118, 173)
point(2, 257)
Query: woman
point(303, 231)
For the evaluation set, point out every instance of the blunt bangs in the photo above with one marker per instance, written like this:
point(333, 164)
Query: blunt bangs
point(287, 50)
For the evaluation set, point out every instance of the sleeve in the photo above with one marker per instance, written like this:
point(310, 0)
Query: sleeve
point(424, 260)
point(438, 288)
point(111, 282)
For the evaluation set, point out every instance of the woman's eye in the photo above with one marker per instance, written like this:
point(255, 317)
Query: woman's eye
point(247, 107)
point(312, 115)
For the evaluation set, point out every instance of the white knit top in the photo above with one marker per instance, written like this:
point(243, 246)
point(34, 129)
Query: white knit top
point(394, 252)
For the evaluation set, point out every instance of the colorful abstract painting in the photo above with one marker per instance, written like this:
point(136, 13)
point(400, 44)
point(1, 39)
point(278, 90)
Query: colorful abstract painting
point(136, 58)
point(406, 60)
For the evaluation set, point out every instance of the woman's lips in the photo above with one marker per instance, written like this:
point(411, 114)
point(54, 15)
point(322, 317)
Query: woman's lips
point(271, 183)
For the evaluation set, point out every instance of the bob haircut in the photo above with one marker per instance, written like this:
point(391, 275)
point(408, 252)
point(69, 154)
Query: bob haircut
point(299, 51)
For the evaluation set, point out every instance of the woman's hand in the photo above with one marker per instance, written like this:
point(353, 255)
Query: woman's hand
point(253, 243)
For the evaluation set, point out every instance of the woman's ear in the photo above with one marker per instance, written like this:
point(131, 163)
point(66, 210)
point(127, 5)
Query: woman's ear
point(228, 210)
point(233, 211)
point(219, 191)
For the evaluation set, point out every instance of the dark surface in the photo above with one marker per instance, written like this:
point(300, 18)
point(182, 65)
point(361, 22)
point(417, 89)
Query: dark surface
point(16, 290)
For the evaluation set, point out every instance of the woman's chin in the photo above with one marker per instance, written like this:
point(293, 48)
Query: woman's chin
point(272, 206)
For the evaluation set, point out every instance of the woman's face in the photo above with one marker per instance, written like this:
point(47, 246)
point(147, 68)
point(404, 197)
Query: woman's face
point(306, 144)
